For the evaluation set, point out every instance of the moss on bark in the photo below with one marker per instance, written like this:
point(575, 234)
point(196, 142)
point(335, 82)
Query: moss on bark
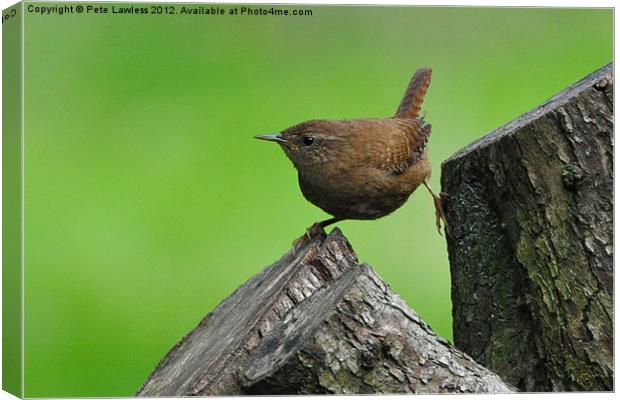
point(531, 250)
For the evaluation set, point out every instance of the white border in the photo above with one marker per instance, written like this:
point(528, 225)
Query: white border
point(479, 3)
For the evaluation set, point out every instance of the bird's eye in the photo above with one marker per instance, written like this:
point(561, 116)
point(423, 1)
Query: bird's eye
point(308, 140)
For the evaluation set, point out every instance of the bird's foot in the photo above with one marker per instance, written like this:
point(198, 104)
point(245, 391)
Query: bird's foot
point(440, 215)
point(313, 231)
point(318, 228)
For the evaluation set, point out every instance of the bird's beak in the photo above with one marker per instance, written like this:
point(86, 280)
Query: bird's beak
point(272, 138)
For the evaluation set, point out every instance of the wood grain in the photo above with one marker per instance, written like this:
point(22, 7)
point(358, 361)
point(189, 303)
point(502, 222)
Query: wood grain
point(316, 321)
point(531, 247)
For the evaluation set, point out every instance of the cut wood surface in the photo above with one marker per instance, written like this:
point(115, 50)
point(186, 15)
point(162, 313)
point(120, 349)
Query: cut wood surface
point(316, 322)
point(530, 207)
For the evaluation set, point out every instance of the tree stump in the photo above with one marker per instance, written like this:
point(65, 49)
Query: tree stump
point(316, 322)
point(530, 207)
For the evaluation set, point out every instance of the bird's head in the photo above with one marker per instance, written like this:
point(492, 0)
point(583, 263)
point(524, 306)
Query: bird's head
point(312, 143)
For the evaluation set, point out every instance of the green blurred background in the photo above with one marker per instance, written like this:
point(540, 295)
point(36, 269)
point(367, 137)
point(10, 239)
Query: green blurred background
point(148, 202)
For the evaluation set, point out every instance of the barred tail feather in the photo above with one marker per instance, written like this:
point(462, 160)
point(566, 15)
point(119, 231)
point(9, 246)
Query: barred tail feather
point(414, 95)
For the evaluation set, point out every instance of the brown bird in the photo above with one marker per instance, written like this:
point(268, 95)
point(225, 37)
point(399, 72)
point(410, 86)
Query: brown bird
point(363, 168)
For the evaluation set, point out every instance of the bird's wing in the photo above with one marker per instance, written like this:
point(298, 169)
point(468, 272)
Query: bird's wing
point(414, 95)
point(404, 144)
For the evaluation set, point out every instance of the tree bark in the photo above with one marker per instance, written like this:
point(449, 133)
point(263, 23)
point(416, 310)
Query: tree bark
point(530, 207)
point(316, 322)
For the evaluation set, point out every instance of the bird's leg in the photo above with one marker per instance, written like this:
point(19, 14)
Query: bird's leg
point(439, 213)
point(315, 229)
point(319, 227)
point(327, 222)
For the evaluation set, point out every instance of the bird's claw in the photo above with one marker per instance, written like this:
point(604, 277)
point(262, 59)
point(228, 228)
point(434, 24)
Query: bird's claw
point(314, 230)
point(440, 215)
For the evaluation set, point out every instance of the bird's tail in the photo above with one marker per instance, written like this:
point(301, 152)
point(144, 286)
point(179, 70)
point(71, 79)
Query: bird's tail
point(414, 95)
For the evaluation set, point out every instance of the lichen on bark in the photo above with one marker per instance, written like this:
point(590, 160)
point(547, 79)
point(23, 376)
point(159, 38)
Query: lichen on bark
point(531, 248)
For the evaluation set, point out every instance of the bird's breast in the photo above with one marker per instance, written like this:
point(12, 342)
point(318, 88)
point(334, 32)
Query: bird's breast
point(363, 192)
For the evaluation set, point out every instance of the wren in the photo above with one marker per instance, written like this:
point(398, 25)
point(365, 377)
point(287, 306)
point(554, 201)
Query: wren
point(365, 168)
